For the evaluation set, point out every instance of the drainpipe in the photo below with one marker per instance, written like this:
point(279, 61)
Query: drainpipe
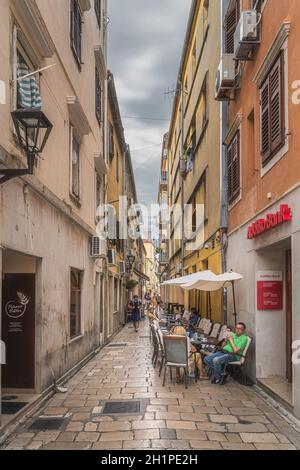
point(1, 359)
point(182, 177)
point(223, 172)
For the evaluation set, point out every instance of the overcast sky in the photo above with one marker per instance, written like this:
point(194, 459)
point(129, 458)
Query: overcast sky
point(145, 44)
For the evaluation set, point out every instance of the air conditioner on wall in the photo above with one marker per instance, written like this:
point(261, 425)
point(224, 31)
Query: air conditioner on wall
point(246, 35)
point(111, 257)
point(225, 79)
point(97, 247)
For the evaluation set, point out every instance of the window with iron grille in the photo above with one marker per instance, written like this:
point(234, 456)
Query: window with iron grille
point(75, 303)
point(272, 111)
point(97, 5)
point(111, 141)
point(233, 168)
point(98, 96)
point(76, 30)
point(230, 24)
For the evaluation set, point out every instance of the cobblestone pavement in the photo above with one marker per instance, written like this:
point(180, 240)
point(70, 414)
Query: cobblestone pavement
point(204, 416)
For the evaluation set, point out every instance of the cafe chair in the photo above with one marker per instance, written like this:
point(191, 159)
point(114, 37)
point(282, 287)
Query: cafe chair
point(240, 364)
point(176, 355)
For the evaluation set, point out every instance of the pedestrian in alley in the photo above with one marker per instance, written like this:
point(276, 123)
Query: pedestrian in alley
point(135, 304)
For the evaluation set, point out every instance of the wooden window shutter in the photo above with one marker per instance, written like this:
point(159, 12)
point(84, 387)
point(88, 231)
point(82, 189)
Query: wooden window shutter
point(265, 121)
point(231, 22)
point(233, 168)
point(272, 112)
point(276, 105)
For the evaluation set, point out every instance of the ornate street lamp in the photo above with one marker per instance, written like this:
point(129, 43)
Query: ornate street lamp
point(33, 129)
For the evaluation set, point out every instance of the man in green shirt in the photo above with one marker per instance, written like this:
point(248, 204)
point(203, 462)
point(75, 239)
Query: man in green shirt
point(232, 351)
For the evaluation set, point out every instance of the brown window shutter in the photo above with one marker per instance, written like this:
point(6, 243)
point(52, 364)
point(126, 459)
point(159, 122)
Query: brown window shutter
point(276, 105)
point(265, 121)
point(233, 168)
point(231, 22)
point(272, 111)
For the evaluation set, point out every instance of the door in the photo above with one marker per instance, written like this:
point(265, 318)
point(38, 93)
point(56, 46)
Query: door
point(18, 330)
point(289, 317)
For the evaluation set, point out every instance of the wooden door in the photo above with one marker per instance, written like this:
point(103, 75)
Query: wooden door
point(18, 330)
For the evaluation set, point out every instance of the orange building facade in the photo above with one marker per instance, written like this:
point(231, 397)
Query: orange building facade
point(263, 172)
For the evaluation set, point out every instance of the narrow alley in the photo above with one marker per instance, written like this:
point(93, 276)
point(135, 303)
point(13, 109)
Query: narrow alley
point(202, 417)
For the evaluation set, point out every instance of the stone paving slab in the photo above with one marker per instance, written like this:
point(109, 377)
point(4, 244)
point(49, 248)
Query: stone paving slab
point(202, 417)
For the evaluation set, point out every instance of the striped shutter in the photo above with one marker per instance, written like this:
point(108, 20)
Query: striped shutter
point(272, 112)
point(233, 168)
point(231, 22)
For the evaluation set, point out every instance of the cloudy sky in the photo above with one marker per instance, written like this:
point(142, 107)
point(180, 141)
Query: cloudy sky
point(145, 43)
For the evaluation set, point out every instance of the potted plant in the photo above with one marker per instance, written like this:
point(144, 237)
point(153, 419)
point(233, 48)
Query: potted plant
point(131, 284)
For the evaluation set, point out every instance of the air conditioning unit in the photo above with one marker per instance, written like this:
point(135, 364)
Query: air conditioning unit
point(246, 35)
point(225, 79)
point(122, 267)
point(97, 247)
point(111, 257)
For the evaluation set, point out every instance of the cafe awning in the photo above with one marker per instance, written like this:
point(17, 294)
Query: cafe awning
point(190, 278)
point(212, 282)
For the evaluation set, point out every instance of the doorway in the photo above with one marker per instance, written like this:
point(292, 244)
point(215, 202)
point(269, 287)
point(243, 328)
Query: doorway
point(18, 330)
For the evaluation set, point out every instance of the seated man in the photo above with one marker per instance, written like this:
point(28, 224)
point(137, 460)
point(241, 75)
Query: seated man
point(232, 351)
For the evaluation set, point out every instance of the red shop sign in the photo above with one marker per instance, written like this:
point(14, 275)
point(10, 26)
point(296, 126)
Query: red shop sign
point(272, 220)
point(270, 291)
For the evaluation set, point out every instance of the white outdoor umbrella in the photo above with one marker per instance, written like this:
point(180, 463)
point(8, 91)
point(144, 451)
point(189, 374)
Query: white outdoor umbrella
point(211, 283)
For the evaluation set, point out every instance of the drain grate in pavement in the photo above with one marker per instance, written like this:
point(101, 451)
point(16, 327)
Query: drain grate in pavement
point(121, 407)
point(9, 397)
point(117, 345)
point(12, 407)
point(47, 424)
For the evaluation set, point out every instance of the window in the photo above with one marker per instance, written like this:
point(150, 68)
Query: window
point(117, 167)
point(272, 111)
point(75, 164)
point(98, 96)
point(97, 5)
point(98, 191)
point(194, 58)
point(111, 141)
point(230, 24)
point(116, 294)
point(76, 30)
point(75, 303)
point(233, 168)
point(202, 108)
point(26, 92)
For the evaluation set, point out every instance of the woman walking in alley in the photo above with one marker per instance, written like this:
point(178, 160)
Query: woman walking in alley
point(135, 304)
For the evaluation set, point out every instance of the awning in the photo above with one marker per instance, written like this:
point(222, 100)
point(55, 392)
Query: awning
point(186, 279)
point(212, 282)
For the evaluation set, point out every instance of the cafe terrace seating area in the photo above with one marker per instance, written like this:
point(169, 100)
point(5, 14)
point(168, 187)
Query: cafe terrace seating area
point(171, 351)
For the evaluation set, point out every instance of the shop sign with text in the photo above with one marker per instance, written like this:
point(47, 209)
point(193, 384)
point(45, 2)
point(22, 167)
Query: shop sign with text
point(271, 221)
point(269, 290)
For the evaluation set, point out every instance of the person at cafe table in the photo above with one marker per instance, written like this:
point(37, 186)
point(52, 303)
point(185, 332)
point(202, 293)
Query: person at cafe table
point(232, 351)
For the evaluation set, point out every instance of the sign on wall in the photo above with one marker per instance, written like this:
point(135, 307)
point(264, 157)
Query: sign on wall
point(262, 226)
point(269, 290)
